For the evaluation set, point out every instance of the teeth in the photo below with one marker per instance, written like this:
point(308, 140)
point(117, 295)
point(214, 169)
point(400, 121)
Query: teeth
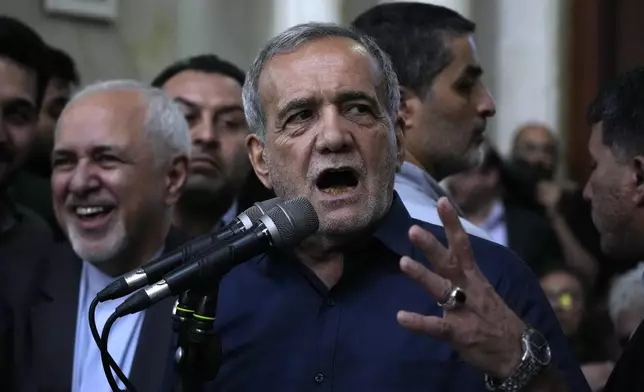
point(89, 210)
point(336, 190)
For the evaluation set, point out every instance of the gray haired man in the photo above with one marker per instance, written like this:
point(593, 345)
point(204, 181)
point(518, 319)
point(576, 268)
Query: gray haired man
point(120, 162)
point(322, 103)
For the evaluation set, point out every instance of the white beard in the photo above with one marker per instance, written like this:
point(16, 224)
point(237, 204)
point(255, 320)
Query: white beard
point(110, 246)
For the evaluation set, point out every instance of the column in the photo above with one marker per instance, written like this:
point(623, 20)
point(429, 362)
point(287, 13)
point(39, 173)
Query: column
point(463, 7)
point(527, 66)
point(288, 13)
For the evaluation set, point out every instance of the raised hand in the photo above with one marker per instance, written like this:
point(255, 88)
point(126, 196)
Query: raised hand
point(476, 322)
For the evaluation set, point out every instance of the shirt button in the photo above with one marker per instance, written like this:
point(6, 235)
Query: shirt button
point(330, 302)
point(319, 378)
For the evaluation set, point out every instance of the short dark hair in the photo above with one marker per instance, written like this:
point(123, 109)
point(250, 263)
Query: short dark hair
point(21, 44)
point(207, 63)
point(414, 35)
point(620, 108)
point(62, 66)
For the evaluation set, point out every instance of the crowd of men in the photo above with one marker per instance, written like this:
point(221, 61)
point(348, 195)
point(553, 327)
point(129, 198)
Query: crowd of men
point(437, 266)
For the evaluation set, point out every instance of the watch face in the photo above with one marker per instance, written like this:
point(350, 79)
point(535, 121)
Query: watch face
point(539, 348)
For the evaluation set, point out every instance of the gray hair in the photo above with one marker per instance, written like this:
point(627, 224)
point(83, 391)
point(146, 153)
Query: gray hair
point(164, 123)
point(293, 38)
point(626, 292)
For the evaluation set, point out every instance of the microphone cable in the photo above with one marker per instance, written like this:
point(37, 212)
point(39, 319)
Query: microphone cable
point(101, 340)
point(286, 224)
point(106, 358)
point(106, 364)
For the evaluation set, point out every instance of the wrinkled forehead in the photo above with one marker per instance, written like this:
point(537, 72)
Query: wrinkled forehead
point(104, 118)
point(320, 68)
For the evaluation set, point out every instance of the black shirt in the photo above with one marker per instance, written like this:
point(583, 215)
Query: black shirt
point(628, 374)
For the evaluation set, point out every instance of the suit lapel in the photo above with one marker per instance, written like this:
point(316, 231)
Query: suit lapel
point(53, 323)
point(152, 358)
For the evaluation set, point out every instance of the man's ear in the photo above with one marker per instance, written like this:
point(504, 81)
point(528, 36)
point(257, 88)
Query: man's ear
point(400, 142)
point(638, 174)
point(176, 178)
point(256, 155)
point(409, 106)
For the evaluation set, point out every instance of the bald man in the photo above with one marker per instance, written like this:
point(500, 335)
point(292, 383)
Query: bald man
point(535, 155)
point(536, 144)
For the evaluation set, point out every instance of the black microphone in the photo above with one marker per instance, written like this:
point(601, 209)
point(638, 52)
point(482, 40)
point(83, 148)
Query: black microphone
point(166, 263)
point(286, 224)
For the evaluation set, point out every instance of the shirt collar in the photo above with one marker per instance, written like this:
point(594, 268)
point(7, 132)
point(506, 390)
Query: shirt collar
point(422, 180)
point(496, 215)
point(230, 214)
point(227, 217)
point(391, 231)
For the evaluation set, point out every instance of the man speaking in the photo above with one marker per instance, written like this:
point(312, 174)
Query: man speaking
point(322, 103)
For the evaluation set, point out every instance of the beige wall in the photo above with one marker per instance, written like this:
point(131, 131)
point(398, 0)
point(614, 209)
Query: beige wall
point(134, 46)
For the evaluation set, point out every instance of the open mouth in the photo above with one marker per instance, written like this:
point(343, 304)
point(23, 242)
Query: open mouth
point(92, 213)
point(337, 181)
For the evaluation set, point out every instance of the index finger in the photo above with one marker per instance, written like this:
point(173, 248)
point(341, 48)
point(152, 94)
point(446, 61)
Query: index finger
point(457, 239)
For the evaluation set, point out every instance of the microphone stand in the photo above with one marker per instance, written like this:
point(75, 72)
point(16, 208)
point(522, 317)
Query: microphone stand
point(199, 350)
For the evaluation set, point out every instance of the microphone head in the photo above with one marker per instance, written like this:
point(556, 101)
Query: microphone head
point(291, 222)
point(252, 214)
point(266, 205)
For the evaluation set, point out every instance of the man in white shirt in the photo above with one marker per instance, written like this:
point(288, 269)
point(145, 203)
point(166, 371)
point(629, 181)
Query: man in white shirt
point(120, 161)
point(444, 104)
point(482, 195)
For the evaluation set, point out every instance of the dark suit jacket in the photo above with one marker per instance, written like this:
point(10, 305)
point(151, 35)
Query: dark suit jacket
point(531, 238)
point(43, 328)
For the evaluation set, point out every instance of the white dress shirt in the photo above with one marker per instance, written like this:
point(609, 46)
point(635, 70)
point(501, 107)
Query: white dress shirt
point(419, 193)
point(87, 374)
point(231, 213)
point(495, 225)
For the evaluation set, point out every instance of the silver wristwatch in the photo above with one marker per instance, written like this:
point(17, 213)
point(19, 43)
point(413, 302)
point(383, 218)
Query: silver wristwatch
point(536, 357)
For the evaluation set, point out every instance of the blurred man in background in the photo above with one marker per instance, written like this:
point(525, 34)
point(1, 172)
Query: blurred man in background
point(63, 81)
point(482, 196)
point(32, 185)
point(444, 103)
point(24, 237)
point(589, 332)
point(532, 184)
point(209, 93)
point(626, 303)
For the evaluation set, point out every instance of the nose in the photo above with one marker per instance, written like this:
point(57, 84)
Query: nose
point(205, 133)
point(486, 106)
point(333, 137)
point(84, 180)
